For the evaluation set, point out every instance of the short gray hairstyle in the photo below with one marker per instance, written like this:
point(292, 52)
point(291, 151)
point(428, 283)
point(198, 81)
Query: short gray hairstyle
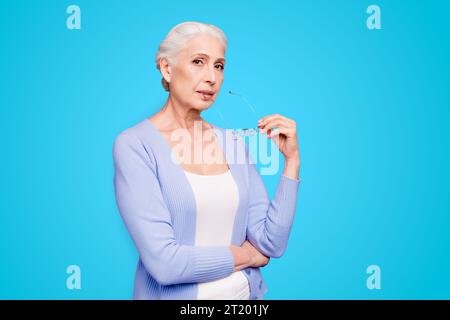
point(178, 36)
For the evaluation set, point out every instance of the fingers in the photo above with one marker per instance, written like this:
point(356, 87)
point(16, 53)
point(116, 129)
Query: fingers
point(273, 123)
point(271, 117)
point(269, 122)
point(288, 132)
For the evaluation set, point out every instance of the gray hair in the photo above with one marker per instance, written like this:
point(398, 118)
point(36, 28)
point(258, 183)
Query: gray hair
point(178, 36)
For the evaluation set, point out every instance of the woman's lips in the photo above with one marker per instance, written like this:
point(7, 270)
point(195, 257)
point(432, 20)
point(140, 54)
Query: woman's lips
point(206, 95)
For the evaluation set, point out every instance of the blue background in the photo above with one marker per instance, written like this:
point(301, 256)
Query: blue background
point(372, 109)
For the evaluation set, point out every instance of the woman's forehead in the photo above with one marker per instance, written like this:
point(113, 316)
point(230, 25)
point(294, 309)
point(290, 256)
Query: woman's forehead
point(205, 45)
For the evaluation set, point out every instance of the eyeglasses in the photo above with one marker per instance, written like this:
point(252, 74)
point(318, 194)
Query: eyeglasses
point(241, 132)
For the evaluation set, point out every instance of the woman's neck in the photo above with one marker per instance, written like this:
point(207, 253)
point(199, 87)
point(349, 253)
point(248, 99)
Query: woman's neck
point(175, 116)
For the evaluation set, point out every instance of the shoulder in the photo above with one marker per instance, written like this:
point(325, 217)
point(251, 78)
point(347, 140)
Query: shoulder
point(135, 140)
point(139, 131)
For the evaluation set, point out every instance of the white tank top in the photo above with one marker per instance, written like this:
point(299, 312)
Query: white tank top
point(217, 200)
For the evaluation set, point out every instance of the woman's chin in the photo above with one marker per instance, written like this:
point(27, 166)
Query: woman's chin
point(203, 105)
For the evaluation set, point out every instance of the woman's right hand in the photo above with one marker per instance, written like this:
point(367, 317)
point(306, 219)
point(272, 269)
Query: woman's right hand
point(258, 259)
point(247, 256)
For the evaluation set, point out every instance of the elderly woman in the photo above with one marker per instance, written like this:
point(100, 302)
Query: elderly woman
point(202, 228)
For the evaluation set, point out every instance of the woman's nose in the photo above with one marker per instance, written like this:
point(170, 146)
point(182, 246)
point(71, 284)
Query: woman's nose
point(211, 75)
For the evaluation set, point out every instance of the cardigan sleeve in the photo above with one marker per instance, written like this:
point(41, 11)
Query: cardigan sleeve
point(270, 222)
point(148, 220)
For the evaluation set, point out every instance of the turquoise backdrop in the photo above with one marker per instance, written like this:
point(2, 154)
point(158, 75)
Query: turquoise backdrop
point(372, 108)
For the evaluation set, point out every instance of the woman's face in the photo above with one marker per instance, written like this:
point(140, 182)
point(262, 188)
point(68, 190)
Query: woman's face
point(197, 76)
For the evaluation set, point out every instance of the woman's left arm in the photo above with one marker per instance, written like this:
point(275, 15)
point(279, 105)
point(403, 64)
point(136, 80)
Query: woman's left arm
point(270, 222)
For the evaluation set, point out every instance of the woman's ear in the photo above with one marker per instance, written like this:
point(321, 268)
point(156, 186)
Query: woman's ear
point(166, 70)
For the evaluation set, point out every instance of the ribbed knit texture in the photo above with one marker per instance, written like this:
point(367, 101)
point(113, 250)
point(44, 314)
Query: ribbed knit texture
point(158, 207)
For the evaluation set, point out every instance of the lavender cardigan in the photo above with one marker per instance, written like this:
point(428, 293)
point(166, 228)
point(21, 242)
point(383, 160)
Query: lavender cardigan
point(157, 205)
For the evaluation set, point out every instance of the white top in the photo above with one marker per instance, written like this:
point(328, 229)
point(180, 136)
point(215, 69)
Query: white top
point(217, 200)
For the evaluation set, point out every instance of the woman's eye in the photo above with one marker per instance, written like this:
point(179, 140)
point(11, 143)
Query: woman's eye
point(197, 61)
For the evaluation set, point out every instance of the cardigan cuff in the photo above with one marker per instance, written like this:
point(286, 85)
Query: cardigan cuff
point(211, 263)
